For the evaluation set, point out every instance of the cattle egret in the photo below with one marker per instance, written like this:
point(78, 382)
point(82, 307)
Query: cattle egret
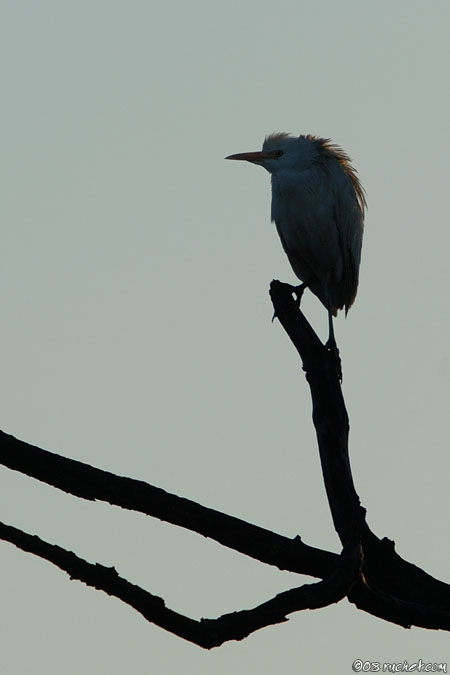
point(318, 207)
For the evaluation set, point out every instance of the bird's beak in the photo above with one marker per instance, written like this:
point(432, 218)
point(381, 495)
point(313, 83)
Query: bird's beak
point(255, 157)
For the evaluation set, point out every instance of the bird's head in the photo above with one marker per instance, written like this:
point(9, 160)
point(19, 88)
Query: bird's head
point(283, 152)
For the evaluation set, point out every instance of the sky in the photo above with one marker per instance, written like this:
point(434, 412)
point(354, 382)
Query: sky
point(136, 322)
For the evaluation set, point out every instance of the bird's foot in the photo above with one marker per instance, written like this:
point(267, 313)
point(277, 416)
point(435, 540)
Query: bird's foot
point(298, 290)
point(288, 289)
point(333, 350)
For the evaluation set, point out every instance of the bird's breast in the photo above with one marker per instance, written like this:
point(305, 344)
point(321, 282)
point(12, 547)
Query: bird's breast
point(303, 210)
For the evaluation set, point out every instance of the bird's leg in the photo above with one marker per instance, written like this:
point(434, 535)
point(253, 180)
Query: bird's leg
point(332, 347)
point(331, 339)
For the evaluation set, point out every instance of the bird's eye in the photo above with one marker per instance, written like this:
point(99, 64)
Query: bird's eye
point(277, 153)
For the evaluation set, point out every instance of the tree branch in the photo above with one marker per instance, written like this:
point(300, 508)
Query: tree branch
point(87, 482)
point(369, 571)
point(206, 633)
point(389, 587)
point(329, 414)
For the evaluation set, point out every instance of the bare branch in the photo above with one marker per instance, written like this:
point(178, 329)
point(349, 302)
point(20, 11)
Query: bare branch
point(389, 587)
point(87, 482)
point(369, 571)
point(329, 414)
point(206, 633)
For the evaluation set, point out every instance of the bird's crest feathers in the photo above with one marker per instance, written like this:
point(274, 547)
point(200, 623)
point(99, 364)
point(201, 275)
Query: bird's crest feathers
point(325, 149)
point(276, 136)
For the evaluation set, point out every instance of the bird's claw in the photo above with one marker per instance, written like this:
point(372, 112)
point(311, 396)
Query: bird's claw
point(298, 290)
point(292, 290)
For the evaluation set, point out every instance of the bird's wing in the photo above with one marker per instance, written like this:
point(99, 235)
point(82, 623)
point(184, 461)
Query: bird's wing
point(303, 210)
point(349, 206)
point(320, 222)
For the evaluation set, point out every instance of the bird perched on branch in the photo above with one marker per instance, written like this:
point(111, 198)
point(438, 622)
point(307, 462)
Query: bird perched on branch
point(318, 207)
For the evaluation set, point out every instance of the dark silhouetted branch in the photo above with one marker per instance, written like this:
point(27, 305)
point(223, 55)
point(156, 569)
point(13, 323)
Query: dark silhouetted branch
point(87, 482)
point(329, 413)
point(206, 633)
point(368, 572)
point(389, 587)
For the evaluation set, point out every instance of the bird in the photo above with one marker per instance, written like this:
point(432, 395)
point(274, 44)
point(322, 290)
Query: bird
point(318, 206)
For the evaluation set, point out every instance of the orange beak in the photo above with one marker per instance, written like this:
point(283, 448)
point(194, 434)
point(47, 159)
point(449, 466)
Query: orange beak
point(255, 157)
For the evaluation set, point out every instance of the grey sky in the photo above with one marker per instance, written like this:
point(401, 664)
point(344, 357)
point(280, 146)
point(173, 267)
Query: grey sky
point(136, 331)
